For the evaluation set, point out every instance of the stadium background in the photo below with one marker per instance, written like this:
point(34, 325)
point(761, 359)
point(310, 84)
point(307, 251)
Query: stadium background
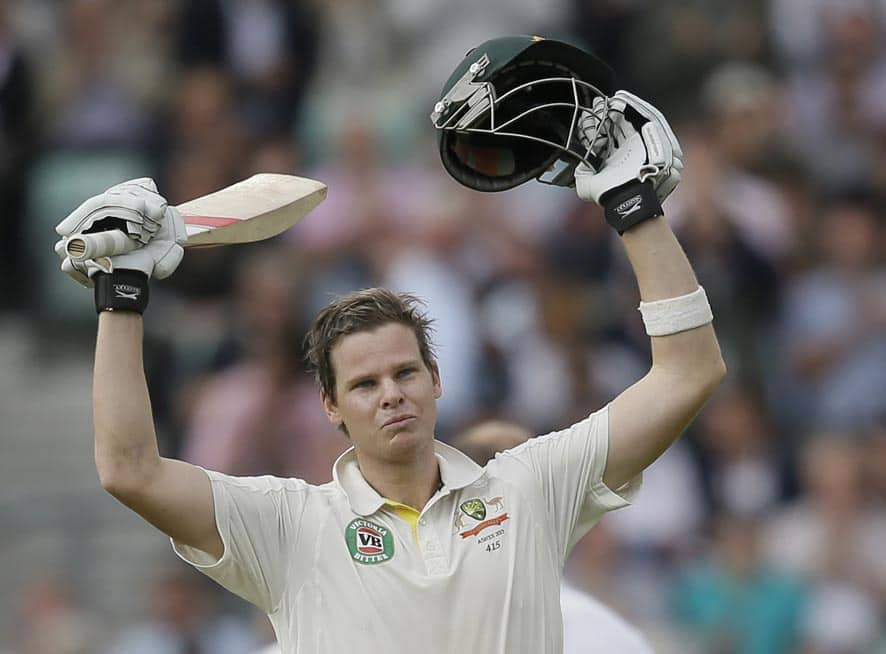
point(762, 531)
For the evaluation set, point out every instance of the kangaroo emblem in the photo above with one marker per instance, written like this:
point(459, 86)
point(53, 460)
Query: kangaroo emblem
point(496, 502)
point(459, 521)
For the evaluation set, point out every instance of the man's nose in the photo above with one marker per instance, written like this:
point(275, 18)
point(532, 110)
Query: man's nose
point(392, 394)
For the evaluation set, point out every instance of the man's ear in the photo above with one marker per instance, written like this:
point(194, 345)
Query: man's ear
point(435, 376)
point(331, 409)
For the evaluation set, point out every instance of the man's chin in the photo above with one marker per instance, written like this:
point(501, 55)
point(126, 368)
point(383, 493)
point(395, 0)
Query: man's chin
point(408, 441)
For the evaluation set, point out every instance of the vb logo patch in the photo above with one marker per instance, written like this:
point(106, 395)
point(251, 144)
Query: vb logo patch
point(369, 542)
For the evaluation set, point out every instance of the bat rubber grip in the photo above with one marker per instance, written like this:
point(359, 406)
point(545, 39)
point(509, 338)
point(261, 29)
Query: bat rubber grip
point(99, 244)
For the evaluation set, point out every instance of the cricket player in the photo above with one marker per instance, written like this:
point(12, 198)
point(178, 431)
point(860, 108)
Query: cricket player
point(413, 546)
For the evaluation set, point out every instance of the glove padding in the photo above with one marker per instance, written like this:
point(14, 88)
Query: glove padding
point(158, 258)
point(641, 162)
point(134, 207)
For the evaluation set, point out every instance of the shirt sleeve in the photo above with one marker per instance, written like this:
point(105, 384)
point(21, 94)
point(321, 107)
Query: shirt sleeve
point(562, 474)
point(258, 519)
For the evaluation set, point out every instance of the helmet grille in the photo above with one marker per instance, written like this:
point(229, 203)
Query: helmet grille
point(530, 109)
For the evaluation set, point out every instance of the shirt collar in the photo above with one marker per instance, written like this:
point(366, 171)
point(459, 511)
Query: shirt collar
point(457, 470)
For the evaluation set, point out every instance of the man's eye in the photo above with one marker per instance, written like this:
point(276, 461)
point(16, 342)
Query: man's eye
point(366, 383)
point(406, 372)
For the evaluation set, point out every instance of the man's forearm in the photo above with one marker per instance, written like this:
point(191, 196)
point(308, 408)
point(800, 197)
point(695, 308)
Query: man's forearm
point(125, 440)
point(686, 366)
point(658, 260)
point(664, 272)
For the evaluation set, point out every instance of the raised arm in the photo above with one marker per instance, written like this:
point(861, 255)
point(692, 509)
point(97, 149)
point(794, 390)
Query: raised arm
point(686, 367)
point(640, 167)
point(172, 495)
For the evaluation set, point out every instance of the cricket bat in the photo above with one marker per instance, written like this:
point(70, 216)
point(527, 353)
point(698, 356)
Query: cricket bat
point(256, 208)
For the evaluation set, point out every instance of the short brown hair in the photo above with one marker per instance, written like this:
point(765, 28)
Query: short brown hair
point(361, 311)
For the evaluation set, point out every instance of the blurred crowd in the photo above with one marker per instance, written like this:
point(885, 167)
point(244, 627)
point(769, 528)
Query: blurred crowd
point(761, 532)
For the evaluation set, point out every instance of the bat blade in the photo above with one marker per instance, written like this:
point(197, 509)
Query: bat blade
point(257, 208)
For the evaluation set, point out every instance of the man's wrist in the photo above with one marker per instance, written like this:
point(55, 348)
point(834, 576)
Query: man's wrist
point(121, 290)
point(630, 204)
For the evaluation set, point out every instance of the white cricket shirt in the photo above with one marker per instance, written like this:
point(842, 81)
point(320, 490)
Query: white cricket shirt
point(337, 568)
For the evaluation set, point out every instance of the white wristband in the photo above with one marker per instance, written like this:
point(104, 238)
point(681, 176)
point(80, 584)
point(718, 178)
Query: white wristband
point(676, 314)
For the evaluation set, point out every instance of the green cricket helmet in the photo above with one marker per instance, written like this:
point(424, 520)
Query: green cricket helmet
point(510, 112)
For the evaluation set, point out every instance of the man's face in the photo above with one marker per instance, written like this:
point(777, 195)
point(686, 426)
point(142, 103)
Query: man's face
point(386, 396)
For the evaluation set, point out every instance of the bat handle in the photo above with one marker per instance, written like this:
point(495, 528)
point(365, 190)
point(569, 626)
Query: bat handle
point(99, 244)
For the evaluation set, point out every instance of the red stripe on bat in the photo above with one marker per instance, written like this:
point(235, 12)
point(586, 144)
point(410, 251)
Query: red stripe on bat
point(209, 221)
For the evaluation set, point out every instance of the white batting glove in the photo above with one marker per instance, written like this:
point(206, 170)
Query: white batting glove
point(134, 207)
point(158, 258)
point(641, 163)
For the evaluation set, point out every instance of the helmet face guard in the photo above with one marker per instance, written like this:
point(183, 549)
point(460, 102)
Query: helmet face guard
point(512, 112)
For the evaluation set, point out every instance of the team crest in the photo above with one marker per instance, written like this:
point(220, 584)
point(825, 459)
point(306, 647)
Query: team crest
point(477, 509)
point(474, 508)
point(369, 542)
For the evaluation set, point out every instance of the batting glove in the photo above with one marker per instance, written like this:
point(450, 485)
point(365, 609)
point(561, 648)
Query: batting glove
point(143, 214)
point(641, 163)
point(134, 207)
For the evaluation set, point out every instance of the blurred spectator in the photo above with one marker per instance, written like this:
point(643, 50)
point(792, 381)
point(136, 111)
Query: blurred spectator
point(830, 532)
point(261, 414)
point(840, 618)
point(267, 635)
point(581, 249)
point(268, 46)
point(276, 153)
point(537, 373)
point(356, 45)
point(207, 274)
point(605, 26)
point(362, 194)
point(833, 537)
point(743, 462)
point(143, 35)
point(732, 602)
point(366, 192)
point(202, 150)
point(874, 466)
point(390, 58)
point(797, 28)
point(203, 123)
point(86, 98)
point(365, 42)
point(596, 565)
point(831, 364)
point(16, 148)
point(660, 529)
point(718, 196)
point(746, 110)
point(273, 648)
point(840, 102)
point(183, 620)
point(52, 621)
point(579, 304)
point(734, 226)
point(692, 38)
